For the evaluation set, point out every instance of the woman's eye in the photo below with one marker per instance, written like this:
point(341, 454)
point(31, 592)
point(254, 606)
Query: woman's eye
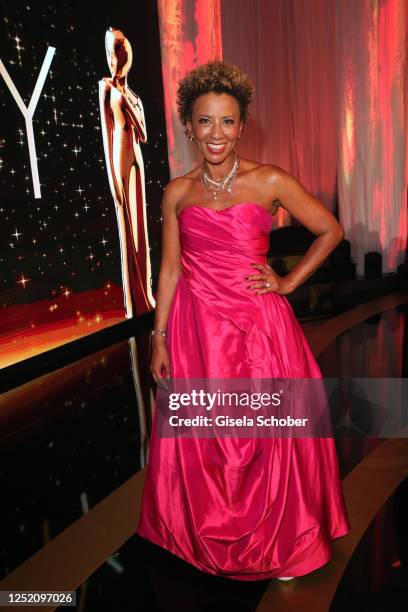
point(226, 121)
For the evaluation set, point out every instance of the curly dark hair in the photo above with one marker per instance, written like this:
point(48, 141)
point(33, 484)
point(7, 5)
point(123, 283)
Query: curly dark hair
point(218, 77)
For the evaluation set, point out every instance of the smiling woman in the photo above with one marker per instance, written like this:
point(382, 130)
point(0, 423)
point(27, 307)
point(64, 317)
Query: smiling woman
point(236, 507)
point(217, 130)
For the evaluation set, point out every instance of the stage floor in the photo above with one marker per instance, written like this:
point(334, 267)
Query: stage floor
point(74, 442)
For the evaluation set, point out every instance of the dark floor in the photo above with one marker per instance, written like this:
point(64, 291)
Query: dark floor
point(70, 438)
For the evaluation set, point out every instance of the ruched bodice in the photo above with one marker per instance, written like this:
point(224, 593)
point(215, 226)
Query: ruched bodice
point(236, 233)
point(240, 508)
point(217, 249)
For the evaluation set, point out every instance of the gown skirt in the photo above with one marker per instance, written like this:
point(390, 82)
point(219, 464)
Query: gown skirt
point(245, 509)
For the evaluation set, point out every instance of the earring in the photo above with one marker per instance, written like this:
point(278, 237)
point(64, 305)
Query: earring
point(191, 137)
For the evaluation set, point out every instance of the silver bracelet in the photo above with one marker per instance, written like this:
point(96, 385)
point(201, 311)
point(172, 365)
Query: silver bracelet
point(159, 332)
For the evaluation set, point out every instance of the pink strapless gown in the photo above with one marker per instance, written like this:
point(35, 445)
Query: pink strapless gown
point(247, 509)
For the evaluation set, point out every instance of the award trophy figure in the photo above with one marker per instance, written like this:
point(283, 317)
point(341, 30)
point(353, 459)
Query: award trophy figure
point(123, 128)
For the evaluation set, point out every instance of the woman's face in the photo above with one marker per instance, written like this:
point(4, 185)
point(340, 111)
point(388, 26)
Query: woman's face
point(216, 126)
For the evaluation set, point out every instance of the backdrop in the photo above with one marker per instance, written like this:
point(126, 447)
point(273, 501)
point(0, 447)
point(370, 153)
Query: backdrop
point(330, 105)
point(60, 274)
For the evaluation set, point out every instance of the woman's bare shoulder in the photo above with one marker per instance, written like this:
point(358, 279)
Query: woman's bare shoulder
point(176, 189)
point(275, 179)
point(271, 172)
point(260, 170)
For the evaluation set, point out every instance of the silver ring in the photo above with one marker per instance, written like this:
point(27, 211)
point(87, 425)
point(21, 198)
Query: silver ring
point(267, 284)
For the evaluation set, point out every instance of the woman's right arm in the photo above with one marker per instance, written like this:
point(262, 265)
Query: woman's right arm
point(170, 271)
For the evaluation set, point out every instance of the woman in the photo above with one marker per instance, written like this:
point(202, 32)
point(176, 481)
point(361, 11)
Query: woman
point(246, 509)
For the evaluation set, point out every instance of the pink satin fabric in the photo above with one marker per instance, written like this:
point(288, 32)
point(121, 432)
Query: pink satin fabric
point(246, 509)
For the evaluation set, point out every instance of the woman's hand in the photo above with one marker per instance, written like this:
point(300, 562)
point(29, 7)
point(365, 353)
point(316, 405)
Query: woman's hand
point(268, 281)
point(160, 362)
